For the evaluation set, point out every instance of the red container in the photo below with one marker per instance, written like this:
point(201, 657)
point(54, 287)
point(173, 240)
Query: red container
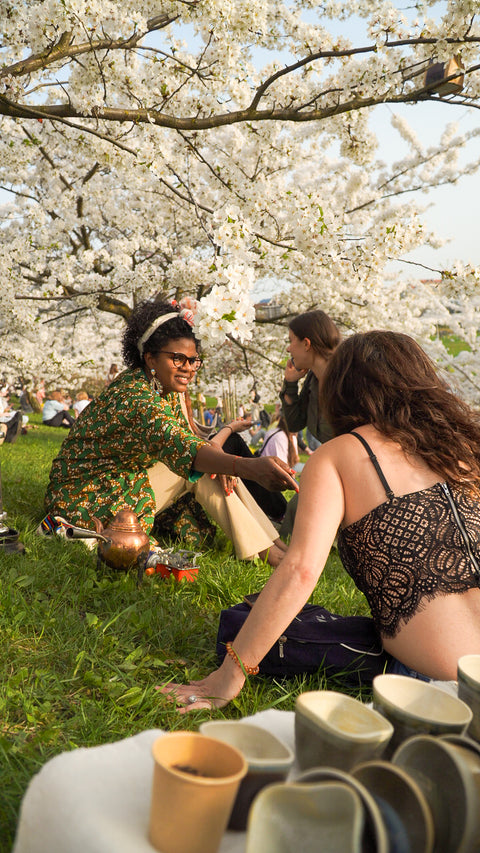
point(189, 573)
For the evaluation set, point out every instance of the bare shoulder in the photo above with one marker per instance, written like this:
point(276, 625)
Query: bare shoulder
point(334, 449)
point(329, 459)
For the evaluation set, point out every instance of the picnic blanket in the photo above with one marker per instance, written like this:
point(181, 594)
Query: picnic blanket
point(98, 799)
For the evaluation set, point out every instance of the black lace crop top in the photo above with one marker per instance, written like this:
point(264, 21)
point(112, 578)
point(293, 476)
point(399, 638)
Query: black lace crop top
point(410, 549)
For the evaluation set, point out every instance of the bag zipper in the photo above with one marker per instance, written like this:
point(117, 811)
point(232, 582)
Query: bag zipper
point(462, 529)
point(283, 639)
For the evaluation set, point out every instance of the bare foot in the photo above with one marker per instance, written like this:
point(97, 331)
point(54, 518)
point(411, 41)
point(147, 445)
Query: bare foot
point(274, 555)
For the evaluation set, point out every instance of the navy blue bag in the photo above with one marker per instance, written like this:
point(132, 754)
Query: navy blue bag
point(344, 646)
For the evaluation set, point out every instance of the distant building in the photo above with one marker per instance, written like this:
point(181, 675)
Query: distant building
point(267, 309)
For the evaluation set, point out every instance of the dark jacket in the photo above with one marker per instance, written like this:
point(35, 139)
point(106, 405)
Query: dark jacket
point(305, 410)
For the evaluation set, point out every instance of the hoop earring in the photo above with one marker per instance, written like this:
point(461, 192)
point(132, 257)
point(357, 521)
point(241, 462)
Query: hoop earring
point(155, 383)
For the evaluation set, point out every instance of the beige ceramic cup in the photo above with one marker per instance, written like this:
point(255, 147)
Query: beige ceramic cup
point(195, 782)
point(449, 776)
point(468, 673)
point(268, 758)
point(335, 730)
point(415, 707)
point(328, 816)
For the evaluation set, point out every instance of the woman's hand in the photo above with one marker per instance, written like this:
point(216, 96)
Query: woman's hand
point(214, 691)
point(292, 373)
point(240, 424)
point(270, 471)
point(226, 481)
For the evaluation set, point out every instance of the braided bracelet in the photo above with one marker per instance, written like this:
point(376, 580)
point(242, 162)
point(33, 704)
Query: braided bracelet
point(234, 473)
point(247, 670)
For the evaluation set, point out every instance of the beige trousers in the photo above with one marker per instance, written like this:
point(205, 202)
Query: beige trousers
point(239, 516)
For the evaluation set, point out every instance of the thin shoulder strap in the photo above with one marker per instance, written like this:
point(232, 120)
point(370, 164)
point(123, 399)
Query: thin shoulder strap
point(268, 439)
point(374, 459)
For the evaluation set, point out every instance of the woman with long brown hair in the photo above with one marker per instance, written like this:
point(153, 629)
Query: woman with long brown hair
point(313, 337)
point(400, 482)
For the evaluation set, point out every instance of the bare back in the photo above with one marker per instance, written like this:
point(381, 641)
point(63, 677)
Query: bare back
point(443, 626)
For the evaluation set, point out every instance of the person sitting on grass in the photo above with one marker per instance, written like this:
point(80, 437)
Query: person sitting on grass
point(55, 411)
point(279, 441)
point(11, 419)
point(82, 400)
point(136, 446)
point(401, 481)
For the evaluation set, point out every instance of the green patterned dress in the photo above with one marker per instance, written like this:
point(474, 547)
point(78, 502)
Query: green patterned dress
point(102, 464)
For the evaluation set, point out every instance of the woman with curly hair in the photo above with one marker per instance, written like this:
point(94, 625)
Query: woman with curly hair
point(136, 446)
point(400, 483)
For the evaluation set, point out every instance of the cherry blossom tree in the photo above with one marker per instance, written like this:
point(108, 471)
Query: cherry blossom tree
point(194, 148)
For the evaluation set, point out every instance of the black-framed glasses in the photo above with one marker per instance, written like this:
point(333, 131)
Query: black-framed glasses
point(180, 359)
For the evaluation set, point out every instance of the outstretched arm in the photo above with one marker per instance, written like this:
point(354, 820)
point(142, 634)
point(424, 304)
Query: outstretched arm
point(320, 511)
point(238, 425)
point(269, 471)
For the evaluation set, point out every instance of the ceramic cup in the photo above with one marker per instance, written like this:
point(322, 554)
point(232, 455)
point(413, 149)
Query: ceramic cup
point(326, 816)
point(374, 836)
point(268, 758)
point(468, 674)
point(448, 775)
point(335, 730)
point(195, 782)
point(402, 804)
point(416, 707)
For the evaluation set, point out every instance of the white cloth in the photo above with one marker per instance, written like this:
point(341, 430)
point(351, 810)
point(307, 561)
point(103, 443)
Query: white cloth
point(97, 800)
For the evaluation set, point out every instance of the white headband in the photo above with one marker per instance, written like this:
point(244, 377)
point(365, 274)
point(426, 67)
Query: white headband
point(154, 326)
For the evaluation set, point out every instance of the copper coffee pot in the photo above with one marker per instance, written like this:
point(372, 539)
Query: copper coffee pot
point(123, 543)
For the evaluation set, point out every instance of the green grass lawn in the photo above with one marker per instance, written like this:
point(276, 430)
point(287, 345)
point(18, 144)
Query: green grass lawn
point(83, 647)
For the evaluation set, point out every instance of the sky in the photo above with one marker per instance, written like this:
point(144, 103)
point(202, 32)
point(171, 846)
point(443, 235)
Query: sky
point(453, 210)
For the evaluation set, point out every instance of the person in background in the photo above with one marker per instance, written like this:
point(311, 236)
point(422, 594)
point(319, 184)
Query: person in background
point(279, 441)
point(136, 446)
point(40, 393)
point(10, 418)
point(55, 411)
point(112, 373)
point(255, 408)
point(209, 417)
point(81, 402)
point(304, 448)
point(400, 482)
point(27, 400)
point(313, 337)
point(67, 398)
